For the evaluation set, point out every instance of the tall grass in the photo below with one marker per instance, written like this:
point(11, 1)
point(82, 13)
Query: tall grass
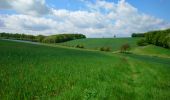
point(97, 43)
point(29, 71)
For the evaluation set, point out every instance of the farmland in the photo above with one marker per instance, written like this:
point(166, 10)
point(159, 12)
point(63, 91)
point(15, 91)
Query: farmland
point(34, 71)
point(96, 43)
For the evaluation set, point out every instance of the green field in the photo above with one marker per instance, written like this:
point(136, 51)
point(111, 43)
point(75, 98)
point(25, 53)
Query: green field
point(96, 43)
point(33, 71)
point(153, 51)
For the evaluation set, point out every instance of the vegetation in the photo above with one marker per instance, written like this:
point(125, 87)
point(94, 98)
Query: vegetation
point(18, 36)
point(152, 50)
point(142, 42)
point(79, 46)
point(98, 43)
point(40, 38)
point(158, 38)
point(105, 49)
point(124, 48)
point(138, 35)
point(30, 71)
point(62, 38)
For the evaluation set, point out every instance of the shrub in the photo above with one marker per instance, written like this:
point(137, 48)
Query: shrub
point(142, 42)
point(124, 48)
point(105, 49)
point(79, 46)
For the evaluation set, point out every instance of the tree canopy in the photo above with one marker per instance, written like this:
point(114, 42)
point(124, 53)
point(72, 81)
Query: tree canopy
point(41, 38)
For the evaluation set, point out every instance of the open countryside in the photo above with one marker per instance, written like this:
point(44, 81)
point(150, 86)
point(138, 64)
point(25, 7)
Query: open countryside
point(92, 64)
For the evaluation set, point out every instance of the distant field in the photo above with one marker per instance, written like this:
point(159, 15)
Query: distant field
point(32, 71)
point(96, 43)
point(153, 50)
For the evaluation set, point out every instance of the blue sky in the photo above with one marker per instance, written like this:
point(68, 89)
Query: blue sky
point(94, 18)
point(157, 8)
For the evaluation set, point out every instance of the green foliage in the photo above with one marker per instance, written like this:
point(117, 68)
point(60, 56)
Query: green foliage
point(49, 39)
point(79, 46)
point(18, 36)
point(40, 38)
point(138, 35)
point(124, 48)
point(105, 49)
point(142, 42)
point(159, 38)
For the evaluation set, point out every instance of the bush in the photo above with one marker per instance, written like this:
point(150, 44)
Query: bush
point(124, 48)
point(79, 46)
point(105, 49)
point(142, 42)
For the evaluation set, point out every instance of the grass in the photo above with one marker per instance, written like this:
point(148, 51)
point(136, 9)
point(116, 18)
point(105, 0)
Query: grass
point(30, 71)
point(97, 43)
point(153, 51)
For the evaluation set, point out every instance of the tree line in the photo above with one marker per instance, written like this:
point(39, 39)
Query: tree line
point(41, 38)
point(138, 35)
point(158, 38)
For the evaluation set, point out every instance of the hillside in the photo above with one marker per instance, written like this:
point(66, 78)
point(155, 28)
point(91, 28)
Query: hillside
point(33, 71)
point(96, 43)
point(153, 51)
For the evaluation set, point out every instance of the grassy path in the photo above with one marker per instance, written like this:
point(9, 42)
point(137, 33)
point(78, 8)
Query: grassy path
point(30, 71)
point(150, 79)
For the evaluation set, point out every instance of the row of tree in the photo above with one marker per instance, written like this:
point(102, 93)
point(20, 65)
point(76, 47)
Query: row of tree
point(41, 38)
point(18, 36)
point(62, 38)
point(159, 38)
point(138, 35)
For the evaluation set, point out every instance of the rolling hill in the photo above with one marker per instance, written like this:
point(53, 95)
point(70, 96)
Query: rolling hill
point(35, 71)
point(96, 43)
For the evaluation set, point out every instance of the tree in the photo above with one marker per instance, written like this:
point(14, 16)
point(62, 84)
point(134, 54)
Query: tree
point(138, 35)
point(40, 38)
point(158, 38)
point(124, 48)
point(142, 42)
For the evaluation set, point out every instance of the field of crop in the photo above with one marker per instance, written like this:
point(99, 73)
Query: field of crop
point(33, 71)
point(153, 51)
point(96, 43)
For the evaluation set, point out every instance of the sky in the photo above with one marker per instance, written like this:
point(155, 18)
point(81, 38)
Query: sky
point(94, 18)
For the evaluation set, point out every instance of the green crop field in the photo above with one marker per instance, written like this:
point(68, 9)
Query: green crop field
point(34, 71)
point(96, 43)
point(153, 51)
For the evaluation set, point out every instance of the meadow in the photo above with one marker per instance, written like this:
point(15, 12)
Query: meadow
point(35, 71)
point(97, 43)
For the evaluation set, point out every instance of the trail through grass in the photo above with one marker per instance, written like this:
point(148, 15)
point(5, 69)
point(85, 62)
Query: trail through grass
point(30, 71)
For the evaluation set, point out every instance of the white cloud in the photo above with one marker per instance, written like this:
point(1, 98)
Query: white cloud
point(29, 7)
point(101, 19)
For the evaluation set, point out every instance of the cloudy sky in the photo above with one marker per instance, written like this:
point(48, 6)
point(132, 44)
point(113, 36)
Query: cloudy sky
point(94, 18)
